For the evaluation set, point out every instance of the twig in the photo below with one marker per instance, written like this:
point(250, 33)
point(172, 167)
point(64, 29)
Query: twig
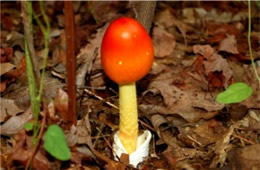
point(100, 98)
point(71, 62)
point(100, 132)
point(243, 139)
point(38, 138)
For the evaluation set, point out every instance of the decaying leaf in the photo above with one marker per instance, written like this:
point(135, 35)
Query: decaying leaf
point(229, 45)
point(80, 134)
point(245, 158)
point(202, 133)
point(164, 42)
point(23, 150)
point(6, 67)
point(221, 149)
point(89, 57)
point(61, 104)
point(8, 108)
point(15, 123)
point(250, 78)
point(213, 62)
point(167, 19)
point(189, 104)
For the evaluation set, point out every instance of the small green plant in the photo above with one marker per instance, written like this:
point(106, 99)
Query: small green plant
point(235, 93)
point(28, 126)
point(55, 143)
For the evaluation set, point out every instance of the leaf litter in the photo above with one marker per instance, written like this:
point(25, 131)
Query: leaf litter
point(199, 51)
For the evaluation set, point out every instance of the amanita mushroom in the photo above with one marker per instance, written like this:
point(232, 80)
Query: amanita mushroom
point(127, 55)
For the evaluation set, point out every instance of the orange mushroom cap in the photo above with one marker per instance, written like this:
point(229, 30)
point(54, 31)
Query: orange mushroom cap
point(127, 51)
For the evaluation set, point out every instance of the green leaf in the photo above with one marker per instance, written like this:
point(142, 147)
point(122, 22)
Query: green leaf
point(55, 143)
point(28, 126)
point(235, 93)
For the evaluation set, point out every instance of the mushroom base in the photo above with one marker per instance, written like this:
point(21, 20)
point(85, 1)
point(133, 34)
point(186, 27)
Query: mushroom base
point(141, 152)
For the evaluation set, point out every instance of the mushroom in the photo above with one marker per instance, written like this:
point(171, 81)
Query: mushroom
point(127, 55)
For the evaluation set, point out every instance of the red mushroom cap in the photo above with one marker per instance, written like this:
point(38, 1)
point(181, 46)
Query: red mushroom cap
point(127, 51)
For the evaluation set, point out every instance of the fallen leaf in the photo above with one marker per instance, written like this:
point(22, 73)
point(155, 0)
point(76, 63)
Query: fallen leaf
point(245, 158)
point(214, 62)
point(229, 45)
point(15, 123)
point(5, 67)
point(20, 71)
point(217, 32)
point(3, 85)
point(16, 39)
point(89, 57)
point(164, 42)
point(104, 11)
point(5, 54)
point(22, 151)
point(191, 115)
point(23, 101)
point(8, 109)
point(250, 78)
point(191, 15)
point(221, 149)
point(202, 133)
point(80, 134)
point(61, 104)
point(158, 120)
point(167, 19)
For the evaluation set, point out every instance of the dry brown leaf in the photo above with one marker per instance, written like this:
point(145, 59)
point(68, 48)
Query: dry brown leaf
point(158, 120)
point(8, 108)
point(182, 153)
point(221, 149)
point(61, 104)
point(3, 85)
point(23, 101)
point(167, 19)
point(5, 54)
point(246, 158)
point(81, 134)
point(105, 10)
point(164, 42)
point(190, 104)
point(219, 31)
point(5, 67)
point(89, 57)
point(193, 15)
point(229, 45)
point(191, 115)
point(23, 150)
point(202, 133)
point(214, 62)
point(16, 39)
point(15, 123)
point(250, 79)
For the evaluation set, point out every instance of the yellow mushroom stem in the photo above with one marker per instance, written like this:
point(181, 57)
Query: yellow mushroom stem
point(128, 125)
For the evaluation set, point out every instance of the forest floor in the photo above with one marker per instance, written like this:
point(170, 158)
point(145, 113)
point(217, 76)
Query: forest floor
point(200, 49)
